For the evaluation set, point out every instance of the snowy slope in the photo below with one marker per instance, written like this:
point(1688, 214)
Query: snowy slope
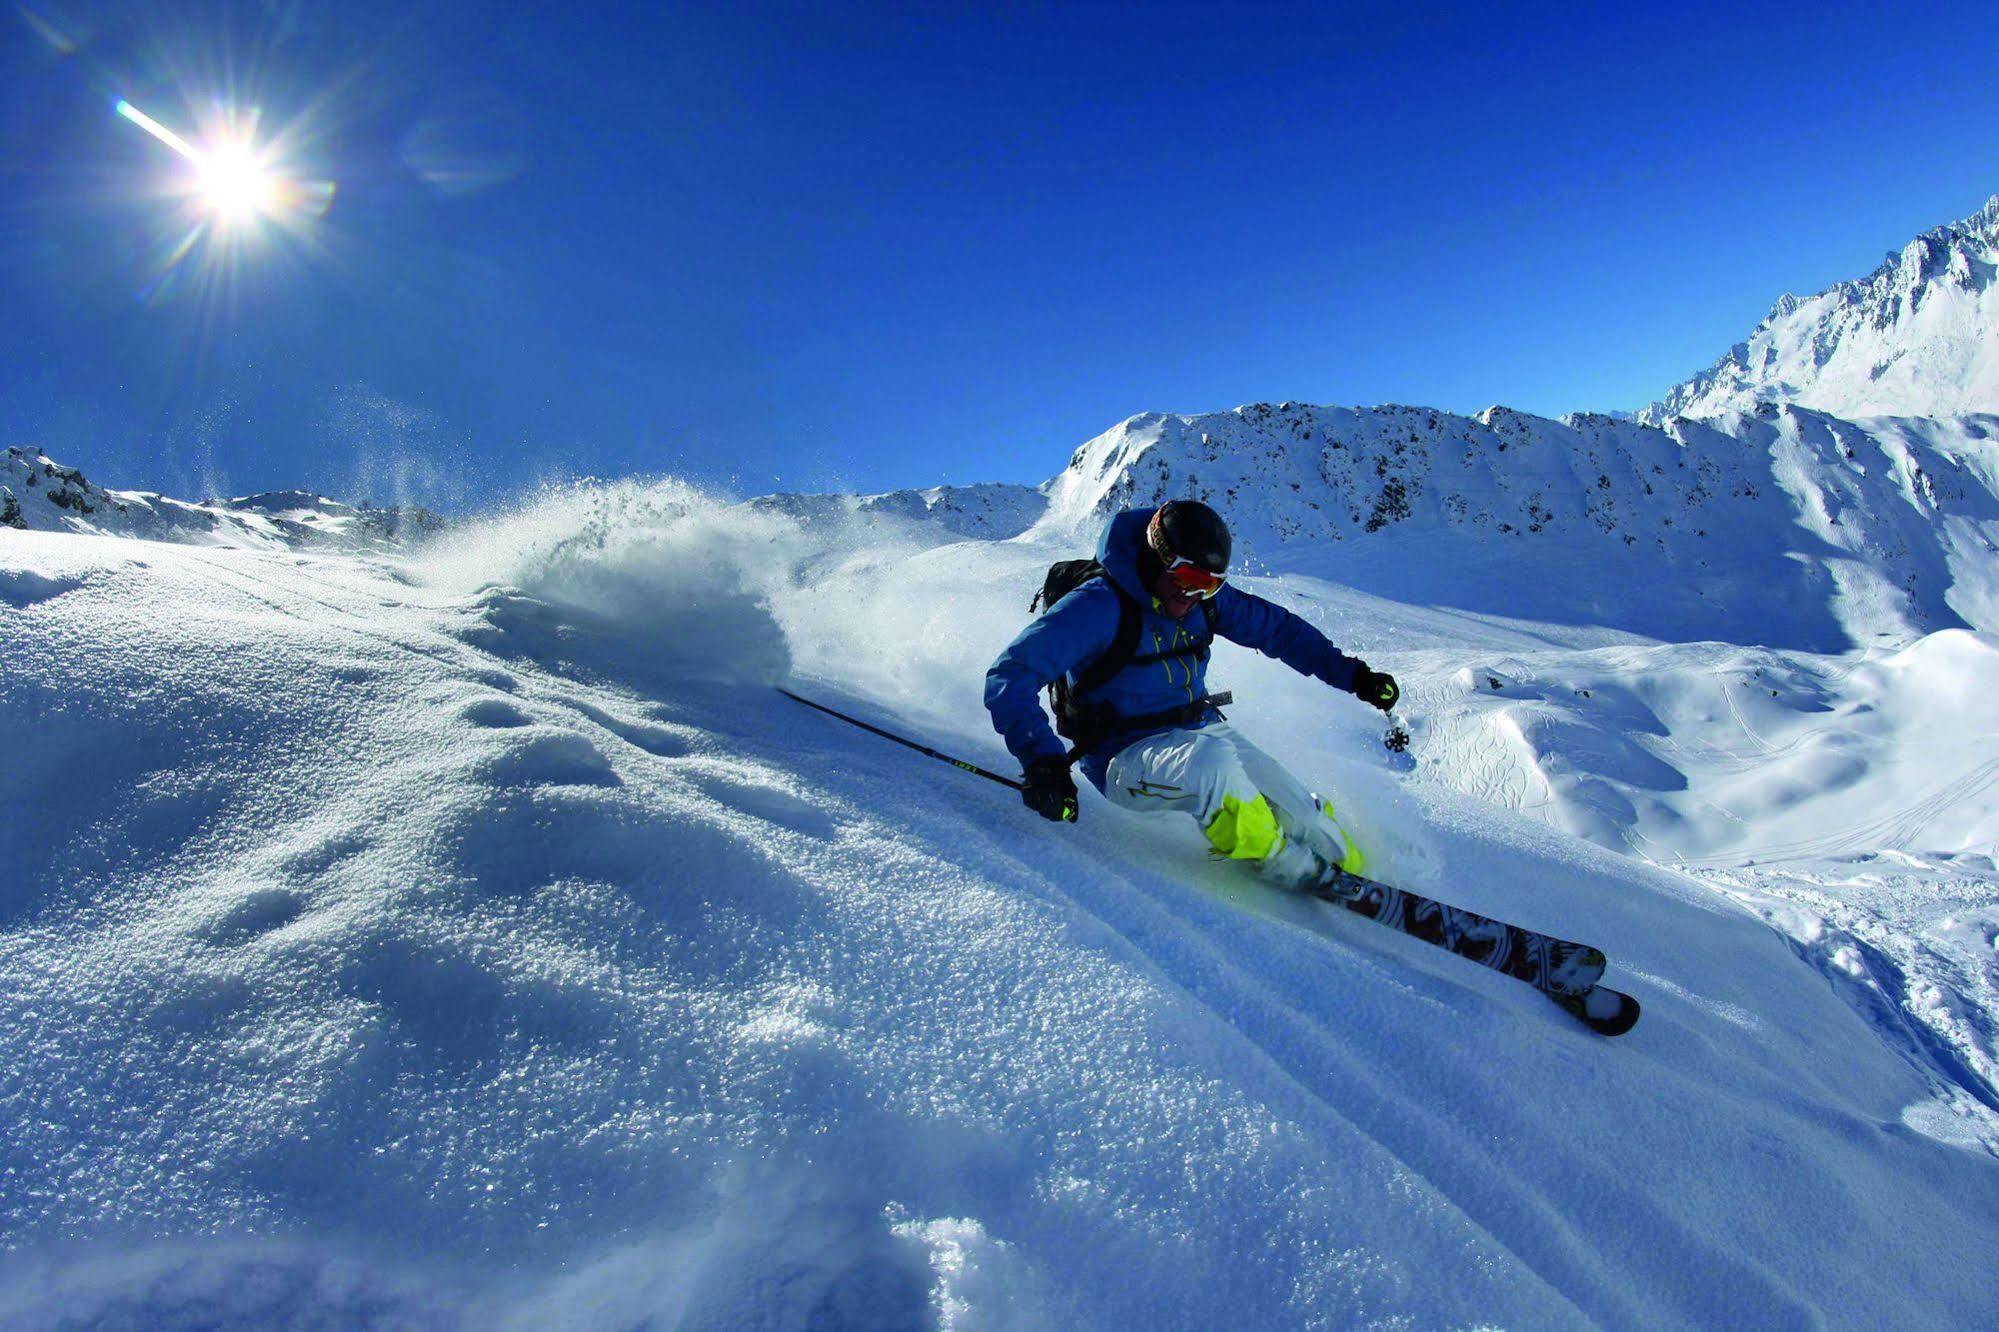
point(40, 495)
point(480, 942)
point(1919, 336)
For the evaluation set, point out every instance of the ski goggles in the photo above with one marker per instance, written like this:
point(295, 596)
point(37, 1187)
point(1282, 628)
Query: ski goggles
point(1192, 579)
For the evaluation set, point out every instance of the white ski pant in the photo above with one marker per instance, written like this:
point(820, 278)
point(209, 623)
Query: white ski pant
point(1244, 800)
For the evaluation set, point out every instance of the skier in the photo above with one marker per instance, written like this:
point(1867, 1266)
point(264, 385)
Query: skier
point(1126, 657)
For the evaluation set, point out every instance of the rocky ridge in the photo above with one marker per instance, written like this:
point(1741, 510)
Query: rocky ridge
point(39, 494)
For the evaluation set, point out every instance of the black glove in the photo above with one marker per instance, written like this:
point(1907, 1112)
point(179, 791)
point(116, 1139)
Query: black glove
point(1376, 687)
point(1049, 790)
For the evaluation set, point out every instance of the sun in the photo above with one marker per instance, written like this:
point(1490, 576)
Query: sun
point(234, 185)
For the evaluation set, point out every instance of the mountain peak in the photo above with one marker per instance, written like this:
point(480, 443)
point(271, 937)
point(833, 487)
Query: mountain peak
point(1918, 336)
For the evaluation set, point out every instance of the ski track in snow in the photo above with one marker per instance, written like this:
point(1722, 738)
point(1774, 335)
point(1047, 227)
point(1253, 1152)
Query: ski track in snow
point(482, 942)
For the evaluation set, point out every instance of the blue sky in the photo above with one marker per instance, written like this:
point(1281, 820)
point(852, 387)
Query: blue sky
point(778, 247)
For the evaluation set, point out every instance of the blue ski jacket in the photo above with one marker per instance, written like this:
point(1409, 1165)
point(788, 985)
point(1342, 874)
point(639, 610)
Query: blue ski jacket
point(1080, 627)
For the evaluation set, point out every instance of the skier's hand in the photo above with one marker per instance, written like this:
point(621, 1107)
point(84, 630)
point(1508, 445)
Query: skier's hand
point(1377, 688)
point(1049, 790)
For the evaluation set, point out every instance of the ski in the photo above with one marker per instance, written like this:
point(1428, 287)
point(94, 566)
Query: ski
point(1568, 973)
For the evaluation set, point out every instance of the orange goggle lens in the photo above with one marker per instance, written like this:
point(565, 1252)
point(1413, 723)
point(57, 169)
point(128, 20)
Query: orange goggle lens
point(1192, 579)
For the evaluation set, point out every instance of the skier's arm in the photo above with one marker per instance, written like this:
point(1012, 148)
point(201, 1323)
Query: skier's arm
point(1076, 630)
point(1244, 618)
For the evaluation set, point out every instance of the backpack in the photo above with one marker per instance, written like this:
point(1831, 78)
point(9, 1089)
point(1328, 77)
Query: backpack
point(1088, 723)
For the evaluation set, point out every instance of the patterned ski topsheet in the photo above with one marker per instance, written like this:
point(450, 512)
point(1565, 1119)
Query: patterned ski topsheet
point(1556, 967)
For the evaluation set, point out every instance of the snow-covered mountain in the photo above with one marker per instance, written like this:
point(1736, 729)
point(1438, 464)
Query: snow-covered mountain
point(991, 510)
point(1778, 525)
point(40, 495)
point(1919, 336)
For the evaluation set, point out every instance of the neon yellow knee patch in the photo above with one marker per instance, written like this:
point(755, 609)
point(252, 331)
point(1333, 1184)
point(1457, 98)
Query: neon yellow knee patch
point(1245, 830)
point(1354, 862)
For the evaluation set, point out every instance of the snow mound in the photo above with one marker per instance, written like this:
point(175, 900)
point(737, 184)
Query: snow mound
point(1703, 753)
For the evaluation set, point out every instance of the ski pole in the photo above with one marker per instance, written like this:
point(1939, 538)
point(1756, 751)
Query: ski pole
point(972, 768)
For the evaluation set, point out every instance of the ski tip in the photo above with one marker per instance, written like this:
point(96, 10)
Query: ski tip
point(1605, 1011)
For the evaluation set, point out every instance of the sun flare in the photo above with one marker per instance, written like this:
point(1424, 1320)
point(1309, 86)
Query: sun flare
point(239, 196)
point(232, 181)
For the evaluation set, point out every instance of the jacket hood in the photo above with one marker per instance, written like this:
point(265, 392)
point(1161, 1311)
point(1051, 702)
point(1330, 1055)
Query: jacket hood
point(1118, 549)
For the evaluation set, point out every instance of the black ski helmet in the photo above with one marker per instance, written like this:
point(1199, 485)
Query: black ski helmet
point(1189, 530)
